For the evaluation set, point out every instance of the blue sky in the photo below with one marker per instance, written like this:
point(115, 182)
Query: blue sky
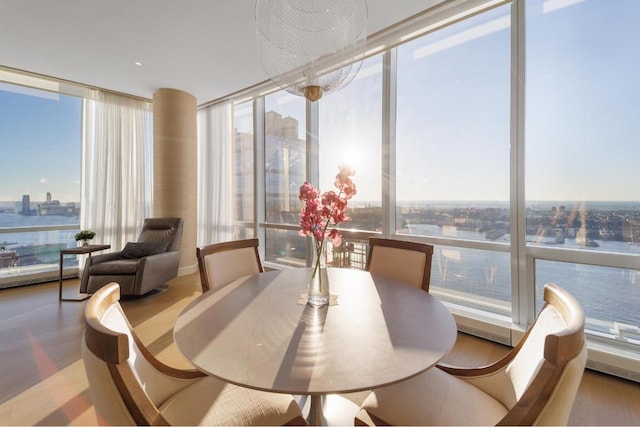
point(453, 138)
point(453, 118)
point(40, 145)
point(582, 99)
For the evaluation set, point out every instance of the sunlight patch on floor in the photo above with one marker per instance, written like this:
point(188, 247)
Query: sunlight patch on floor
point(60, 399)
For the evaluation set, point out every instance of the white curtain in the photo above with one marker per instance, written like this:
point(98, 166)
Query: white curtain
point(215, 139)
point(117, 167)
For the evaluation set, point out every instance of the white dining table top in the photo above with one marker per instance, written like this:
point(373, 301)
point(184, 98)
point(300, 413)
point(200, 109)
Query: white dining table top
point(255, 333)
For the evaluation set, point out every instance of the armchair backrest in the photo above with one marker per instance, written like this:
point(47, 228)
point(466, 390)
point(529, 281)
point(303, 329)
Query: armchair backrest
point(409, 262)
point(222, 263)
point(162, 229)
point(127, 383)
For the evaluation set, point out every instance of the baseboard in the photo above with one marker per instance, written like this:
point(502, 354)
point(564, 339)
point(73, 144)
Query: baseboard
point(37, 277)
point(481, 324)
point(617, 362)
point(189, 269)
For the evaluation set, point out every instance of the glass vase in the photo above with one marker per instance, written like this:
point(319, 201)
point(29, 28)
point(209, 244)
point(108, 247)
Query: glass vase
point(318, 293)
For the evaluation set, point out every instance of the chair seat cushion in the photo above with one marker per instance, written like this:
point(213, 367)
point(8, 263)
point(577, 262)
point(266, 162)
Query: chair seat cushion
point(214, 402)
point(432, 398)
point(121, 266)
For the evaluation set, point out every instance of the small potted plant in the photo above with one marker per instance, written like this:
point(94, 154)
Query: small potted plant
point(85, 236)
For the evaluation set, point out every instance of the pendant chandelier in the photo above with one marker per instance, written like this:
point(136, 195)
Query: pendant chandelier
point(311, 47)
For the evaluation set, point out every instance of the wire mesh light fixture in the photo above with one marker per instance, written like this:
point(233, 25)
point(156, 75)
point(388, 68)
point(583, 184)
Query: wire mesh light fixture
point(311, 47)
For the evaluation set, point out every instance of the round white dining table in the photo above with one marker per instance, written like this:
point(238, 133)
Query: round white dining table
point(257, 332)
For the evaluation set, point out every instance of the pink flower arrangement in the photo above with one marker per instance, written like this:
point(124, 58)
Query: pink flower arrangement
point(329, 209)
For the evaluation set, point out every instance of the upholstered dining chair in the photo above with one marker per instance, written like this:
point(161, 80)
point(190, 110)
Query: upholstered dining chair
point(222, 263)
point(408, 262)
point(129, 386)
point(534, 384)
point(140, 266)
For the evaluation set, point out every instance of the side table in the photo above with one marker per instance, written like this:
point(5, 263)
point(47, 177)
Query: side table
point(80, 250)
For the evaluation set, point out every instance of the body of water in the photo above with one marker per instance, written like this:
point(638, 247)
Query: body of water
point(36, 247)
point(606, 294)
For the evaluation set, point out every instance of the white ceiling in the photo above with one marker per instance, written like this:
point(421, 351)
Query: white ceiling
point(204, 47)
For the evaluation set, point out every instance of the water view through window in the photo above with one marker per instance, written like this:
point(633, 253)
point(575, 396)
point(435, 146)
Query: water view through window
point(452, 155)
point(581, 151)
point(40, 162)
point(453, 176)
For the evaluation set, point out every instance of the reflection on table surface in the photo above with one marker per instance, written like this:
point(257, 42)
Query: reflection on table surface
point(254, 333)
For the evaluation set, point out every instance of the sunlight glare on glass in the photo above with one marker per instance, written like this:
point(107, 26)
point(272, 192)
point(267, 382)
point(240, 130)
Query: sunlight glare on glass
point(351, 156)
point(474, 33)
point(555, 5)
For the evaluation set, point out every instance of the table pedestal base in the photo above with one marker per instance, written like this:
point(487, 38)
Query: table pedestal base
point(328, 410)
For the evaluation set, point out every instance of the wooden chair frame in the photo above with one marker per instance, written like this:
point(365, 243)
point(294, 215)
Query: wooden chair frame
point(113, 348)
point(409, 246)
point(202, 252)
point(559, 349)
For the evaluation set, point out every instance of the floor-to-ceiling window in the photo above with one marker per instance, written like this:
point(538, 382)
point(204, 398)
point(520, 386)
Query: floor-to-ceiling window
point(452, 156)
point(243, 171)
point(350, 134)
point(504, 139)
point(40, 133)
point(583, 208)
point(285, 152)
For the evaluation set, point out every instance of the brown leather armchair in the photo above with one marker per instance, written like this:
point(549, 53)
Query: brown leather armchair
point(141, 266)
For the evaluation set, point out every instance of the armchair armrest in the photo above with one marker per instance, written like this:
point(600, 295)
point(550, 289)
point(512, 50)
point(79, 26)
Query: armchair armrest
point(463, 372)
point(155, 269)
point(154, 261)
point(100, 258)
point(91, 261)
point(477, 371)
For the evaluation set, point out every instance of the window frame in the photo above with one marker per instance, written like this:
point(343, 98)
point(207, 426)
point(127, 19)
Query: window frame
point(45, 271)
point(608, 355)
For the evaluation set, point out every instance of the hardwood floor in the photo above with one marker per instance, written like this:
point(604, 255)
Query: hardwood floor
point(43, 380)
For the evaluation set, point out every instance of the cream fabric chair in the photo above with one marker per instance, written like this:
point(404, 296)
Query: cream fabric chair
point(407, 262)
point(535, 384)
point(131, 387)
point(222, 263)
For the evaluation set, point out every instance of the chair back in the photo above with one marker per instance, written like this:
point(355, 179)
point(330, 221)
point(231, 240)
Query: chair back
point(222, 263)
point(126, 385)
point(538, 380)
point(162, 230)
point(408, 262)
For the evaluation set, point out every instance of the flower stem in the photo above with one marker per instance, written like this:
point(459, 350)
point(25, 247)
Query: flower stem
point(318, 255)
point(320, 243)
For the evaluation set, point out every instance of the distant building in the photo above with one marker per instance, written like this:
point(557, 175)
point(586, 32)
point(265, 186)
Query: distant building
point(26, 206)
point(54, 207)
point(50, 207)
point(631, 231)
point(285, 167)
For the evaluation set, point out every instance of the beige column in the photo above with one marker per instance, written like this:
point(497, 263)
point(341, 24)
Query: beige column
point(175, 167)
